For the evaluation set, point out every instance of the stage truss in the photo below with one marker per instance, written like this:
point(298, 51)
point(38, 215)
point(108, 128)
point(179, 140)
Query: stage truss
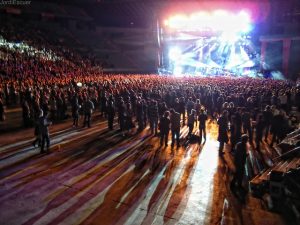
point(207, 44)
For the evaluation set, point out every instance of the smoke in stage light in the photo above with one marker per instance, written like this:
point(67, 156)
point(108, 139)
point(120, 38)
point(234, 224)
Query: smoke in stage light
point(213, 56)
point(209, 43)
point(178, 71)
point(174, 53)
point(219, 20)
point(229, 37)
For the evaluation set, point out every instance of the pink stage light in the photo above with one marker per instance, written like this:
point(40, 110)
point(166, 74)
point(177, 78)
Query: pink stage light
point(219, 20)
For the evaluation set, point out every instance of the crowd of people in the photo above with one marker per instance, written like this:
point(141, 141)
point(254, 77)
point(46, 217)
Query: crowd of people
point(51, 84)
point(256, 107)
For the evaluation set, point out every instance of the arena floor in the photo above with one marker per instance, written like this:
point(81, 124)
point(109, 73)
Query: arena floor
point(97, 176)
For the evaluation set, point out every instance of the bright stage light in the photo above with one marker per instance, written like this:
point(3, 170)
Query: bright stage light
point(178, 21)
point(244, 16)
point(246, 28)
point(178, 71)
point(219, 20)
point(210, 43)
point(174, 53)
point(217, 17)
point(229, 37)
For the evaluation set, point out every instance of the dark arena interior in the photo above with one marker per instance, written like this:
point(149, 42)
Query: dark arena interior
point(150, 112)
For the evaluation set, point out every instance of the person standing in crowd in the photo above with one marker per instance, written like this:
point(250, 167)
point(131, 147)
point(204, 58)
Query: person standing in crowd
point(26, 114)
point(145, 111)
point(259, 128)
point(88, 107)
point(238, 117)
point(202, 124)
point(233, 132)
point(283, 100)
point(6, 94)
point(209, 103)
point(44, 105)
point(162, 108)
point(219, 103)
point(122, 116)
point(275, 125)
point(197, 108)
point(75, 110)
point(37, 132)
point(239, 162)
point(175, 127)
point(176, 105)
point(267, 118)
point(129, 118)
point(190, 105)
point(140, 113)
point(64, 106)
point(12, 93)
point(284, 125)
point(223, 127)
point(103, 104)
point(164, 126)
point(2, 115)
point(191, 121)
point(44, 131)
point(181, 109)
point(110, 112)
point(246, 122)
point(153, 117)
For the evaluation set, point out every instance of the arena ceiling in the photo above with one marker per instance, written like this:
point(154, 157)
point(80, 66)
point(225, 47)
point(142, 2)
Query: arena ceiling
point(143, 13)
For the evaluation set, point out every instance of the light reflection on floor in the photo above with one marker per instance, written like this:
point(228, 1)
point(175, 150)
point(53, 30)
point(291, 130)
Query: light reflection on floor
point(104, 178)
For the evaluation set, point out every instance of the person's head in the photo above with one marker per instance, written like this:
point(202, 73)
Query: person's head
point(282, 112)
point(41, 113)
point(166, 114)
point(244, 138)
point(172, 111)
point(193, 111)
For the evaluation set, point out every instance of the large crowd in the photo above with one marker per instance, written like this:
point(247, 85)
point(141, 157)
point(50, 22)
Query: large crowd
point(165, 103)
point(51, 84)
point(57, 83)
